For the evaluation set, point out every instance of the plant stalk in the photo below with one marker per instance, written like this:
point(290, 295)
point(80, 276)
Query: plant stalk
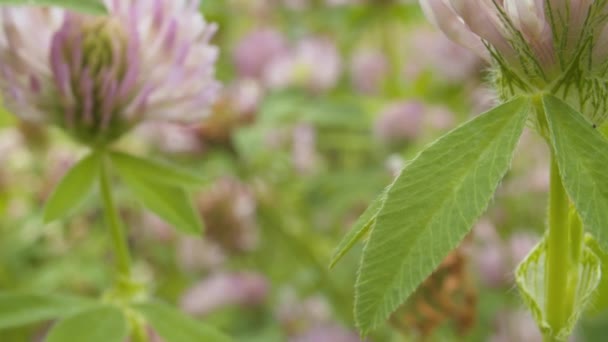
point(559, 299)
point(125, 287)
point(117, 234)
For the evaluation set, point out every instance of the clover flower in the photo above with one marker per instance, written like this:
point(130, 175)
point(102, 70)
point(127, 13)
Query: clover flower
point(97, 77)
point(535, 45)
point(368, 70)
point(400, 122)
point(314, 64)
point(256, 51)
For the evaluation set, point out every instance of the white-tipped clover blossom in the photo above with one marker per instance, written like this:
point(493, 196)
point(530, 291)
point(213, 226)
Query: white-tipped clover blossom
point(97, 77)
point(558, 46)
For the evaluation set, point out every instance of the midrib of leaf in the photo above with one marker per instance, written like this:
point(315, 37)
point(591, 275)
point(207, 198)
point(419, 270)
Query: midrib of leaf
point(448, 195)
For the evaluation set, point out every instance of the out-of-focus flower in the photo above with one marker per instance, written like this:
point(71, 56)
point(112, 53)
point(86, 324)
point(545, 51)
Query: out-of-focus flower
point(489, 255)
point(496, 259)
point(236, 107)
point(368, 70)
point(440, 118)
point(297, 5)
point(535, 45)
point(172, 138)
point(448, 60)
point(315, 64)
point(256, 51)
point(10, 140)
point(483, 99)
point(516, 326)
point(246, 96)
point(150, 227)
point(400, 122)
point(228, 209)
point(195, 254)
point(531, 170)
point(520, 244)
point(304, 152)
point(326, 333)
point(446, 296)
point(97, 77)
point(298, 315)
point(225, 289)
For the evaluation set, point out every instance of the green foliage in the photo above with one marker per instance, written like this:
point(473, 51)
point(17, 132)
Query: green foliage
point(599, 303)
point(17, 309)
point(85, 6)
point(173, 326)
point(73, 189)
point(100, 324)
point(359, 229)
point(6, 119)
point(582, 156)
point(532, 282)
point(156, 172)
point(431, 206)
point(171, 203)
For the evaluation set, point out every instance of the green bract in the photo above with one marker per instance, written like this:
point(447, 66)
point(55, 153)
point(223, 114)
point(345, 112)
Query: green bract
point(532, 282)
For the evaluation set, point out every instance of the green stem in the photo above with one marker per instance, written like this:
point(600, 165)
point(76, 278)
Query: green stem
point(138, 329)
point(125, 288)
point(558, 263)
point(119, 241)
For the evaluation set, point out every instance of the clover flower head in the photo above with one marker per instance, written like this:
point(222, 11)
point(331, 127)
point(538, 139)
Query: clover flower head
point(97, 77)
point(557, 46)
